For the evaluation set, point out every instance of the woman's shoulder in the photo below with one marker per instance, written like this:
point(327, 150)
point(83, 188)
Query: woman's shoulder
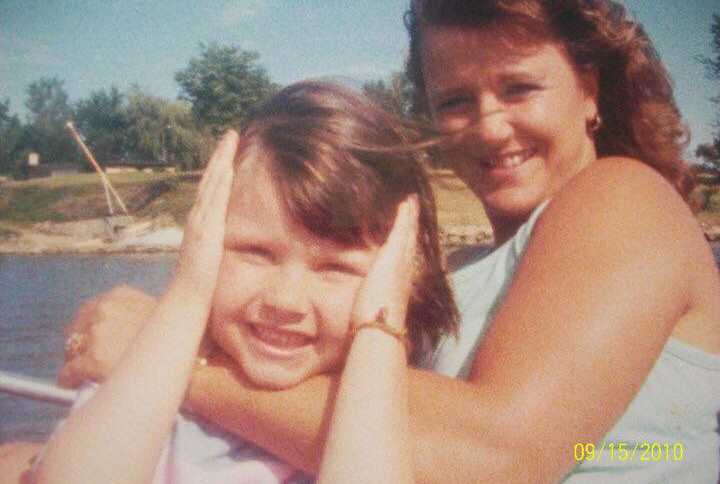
point(623, 196)
point(626, 178)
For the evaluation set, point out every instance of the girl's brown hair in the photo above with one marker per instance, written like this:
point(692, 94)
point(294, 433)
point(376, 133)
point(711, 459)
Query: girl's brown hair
point(342, 166)
point(635, 97)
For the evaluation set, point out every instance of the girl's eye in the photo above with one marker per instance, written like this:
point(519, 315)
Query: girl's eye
point(336, 270)
point(255, 254)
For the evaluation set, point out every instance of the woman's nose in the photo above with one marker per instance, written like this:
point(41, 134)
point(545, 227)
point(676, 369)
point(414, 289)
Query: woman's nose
point(492, 127)
point(286, 294)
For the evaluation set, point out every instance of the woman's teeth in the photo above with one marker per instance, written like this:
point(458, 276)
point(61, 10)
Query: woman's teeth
point(510, 160)
point(279, 338)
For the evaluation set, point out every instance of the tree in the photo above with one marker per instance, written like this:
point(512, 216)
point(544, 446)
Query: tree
point(164, 132)
point(712, 66)
point(223, 85)
point(394, 96)
point(49, 110)
point(710, 154)
point(11, 137)
point(102, 119)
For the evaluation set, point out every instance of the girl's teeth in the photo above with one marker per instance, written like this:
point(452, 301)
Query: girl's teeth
point(279, 338)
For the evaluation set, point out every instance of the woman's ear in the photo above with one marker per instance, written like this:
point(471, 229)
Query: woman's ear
point(590, 85)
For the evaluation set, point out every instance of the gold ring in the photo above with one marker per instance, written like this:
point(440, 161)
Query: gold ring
point(74, 344)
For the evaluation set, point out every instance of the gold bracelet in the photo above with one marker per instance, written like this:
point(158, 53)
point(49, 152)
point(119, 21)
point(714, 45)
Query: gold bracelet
point(381, 324)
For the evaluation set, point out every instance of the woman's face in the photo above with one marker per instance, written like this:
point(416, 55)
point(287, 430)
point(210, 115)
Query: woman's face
point(528, 108)
point(284, 296)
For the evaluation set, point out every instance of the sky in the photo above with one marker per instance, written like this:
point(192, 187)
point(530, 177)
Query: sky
point(95, 44)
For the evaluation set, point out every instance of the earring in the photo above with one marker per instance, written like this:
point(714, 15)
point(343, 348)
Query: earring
point(595, 123)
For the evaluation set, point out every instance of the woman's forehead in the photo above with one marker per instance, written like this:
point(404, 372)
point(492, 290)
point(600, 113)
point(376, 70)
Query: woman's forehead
point(450, 52)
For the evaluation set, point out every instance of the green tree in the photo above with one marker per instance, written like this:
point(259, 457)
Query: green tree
point(164, 132)
point(102, 120)
point(710, 155)
point(11, 138)
point(712, 66)
point(223, 85)
point(394, 96)
point(49, 110)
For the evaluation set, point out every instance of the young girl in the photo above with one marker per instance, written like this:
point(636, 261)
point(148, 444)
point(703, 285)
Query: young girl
point(279, 260)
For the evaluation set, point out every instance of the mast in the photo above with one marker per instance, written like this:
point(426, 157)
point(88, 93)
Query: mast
point(107, 186)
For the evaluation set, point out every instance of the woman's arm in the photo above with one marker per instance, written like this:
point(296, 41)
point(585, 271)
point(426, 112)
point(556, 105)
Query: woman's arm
point(611, 267)
point(607, 275)
point(119, 434)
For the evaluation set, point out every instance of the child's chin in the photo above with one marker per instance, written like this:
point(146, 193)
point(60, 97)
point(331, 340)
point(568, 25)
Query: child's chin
point(276, 379)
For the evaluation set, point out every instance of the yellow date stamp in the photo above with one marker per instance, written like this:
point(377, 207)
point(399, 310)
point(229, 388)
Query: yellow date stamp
point(629, 452)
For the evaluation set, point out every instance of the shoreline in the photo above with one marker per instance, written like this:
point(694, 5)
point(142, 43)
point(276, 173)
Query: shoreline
point(161, 237)
point(167, 239)
point(19, 247)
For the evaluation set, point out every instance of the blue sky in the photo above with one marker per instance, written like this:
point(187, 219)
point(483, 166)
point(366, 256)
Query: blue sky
point(93, 44)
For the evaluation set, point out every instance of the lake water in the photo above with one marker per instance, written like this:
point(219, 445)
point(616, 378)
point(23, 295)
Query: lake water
point(38, 297)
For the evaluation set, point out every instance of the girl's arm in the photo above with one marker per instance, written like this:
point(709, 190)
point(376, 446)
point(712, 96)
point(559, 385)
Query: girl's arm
point(369, 437)
point(119, 434)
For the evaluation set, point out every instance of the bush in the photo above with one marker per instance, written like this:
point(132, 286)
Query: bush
point(713, 201)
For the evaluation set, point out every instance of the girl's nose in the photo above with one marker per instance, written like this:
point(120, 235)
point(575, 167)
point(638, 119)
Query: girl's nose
point(286, 294)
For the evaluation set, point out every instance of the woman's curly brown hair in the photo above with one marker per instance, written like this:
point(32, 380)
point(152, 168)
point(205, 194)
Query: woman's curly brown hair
point(635, 93)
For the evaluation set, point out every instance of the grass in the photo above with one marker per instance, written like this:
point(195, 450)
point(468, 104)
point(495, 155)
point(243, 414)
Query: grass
point(152, 195)
point(456, 204)
point(6, 233)
point(81, 196)
point(149, 195)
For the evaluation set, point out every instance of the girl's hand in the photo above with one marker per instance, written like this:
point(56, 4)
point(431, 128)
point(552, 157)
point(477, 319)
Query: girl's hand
point(202, 246)
point(388, 284)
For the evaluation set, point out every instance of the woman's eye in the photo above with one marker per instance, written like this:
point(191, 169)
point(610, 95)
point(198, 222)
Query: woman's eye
point(519, 89)
point(452, 104)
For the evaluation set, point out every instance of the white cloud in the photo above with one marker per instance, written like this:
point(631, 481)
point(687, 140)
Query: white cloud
point(236, 12)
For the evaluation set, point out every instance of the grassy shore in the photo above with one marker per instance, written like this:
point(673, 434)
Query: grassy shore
point(151, 196)
point(147, 195)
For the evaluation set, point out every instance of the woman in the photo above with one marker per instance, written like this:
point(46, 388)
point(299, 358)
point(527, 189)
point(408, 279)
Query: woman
point(602, 301)
point(298, 269)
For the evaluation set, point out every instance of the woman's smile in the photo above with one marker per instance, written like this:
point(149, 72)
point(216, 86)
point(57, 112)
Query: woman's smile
point(518, 116)
point(508, 160)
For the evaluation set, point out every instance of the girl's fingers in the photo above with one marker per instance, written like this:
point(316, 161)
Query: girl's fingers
point(202, 247)
point(389, 281)
point(221, 158)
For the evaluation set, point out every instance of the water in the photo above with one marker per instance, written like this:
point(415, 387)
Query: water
point(38, 298)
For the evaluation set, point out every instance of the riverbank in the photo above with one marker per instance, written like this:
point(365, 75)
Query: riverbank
point(67, 215)
point(21, 241)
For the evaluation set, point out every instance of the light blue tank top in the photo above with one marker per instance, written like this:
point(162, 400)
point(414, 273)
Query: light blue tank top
point(677, 405)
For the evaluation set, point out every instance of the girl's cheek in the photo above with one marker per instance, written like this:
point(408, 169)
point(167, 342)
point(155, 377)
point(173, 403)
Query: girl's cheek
point(337, 306)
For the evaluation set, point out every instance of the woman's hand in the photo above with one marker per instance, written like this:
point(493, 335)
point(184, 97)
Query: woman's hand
point(103, 329)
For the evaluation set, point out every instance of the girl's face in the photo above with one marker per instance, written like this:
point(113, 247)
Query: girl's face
point(527, 109)
point(284, 296)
